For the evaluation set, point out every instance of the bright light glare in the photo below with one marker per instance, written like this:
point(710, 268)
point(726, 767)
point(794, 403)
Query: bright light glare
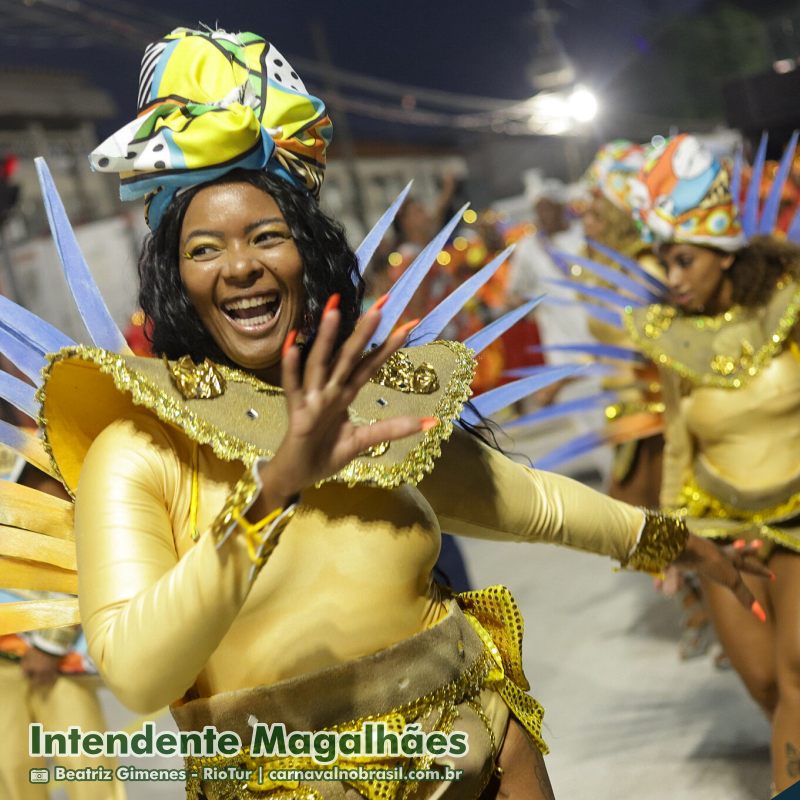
point(582, 105)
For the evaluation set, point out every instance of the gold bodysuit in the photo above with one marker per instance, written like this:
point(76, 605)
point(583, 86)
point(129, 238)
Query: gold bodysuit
point(732, 393)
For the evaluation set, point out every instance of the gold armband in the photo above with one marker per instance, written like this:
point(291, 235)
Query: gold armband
point(663, 539)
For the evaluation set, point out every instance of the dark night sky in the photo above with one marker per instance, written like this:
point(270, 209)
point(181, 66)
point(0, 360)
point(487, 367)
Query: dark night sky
point(469, 46)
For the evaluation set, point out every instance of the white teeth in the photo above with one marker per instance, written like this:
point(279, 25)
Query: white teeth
point(254, 322)
point(249, 302)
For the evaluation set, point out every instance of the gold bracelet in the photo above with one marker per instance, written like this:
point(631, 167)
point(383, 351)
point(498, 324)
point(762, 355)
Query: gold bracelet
point(663, 539)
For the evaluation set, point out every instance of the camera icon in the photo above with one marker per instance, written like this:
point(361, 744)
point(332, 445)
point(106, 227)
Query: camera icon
point(39, 776)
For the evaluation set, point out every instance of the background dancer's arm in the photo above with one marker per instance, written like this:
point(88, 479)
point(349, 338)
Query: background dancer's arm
point(677, 442)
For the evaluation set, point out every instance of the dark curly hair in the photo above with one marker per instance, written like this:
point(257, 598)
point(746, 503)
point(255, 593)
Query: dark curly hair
point(329, 266)
point(758, 267)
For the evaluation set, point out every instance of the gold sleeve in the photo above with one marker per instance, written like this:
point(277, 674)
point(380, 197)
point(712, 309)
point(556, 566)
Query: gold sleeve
point(677, 442)
point(151, 619)
point(477, 491)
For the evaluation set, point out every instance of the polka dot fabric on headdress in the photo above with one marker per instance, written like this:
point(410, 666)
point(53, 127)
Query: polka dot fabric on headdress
point(682, 194)
point(612, 169)
point(211, 102)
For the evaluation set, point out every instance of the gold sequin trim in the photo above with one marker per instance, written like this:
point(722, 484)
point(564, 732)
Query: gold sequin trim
point(663, 539)
point(398, 372)
point(696, 502)
point(240, 498)
point(727, 372)
point(624, 409)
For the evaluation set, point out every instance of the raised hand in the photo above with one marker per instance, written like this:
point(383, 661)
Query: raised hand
point(725, 566)
point(320, 438)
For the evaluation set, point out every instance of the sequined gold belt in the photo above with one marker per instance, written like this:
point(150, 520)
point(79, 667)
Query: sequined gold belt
point(434, 678)
point(781, 501)
point(719, 511)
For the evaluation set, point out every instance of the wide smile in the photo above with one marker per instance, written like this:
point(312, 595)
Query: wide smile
point(254, 315)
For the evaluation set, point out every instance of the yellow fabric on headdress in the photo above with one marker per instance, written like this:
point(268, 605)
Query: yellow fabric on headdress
point(682, 194)
point(211, 102)
point(612, 168)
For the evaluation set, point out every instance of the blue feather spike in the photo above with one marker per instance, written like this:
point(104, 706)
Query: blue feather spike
point(485, 336)
point(29, 360)
point(407, 284)
point(434, 323)
point(16, 438)
point(561, 261)
point(565, 409)
point(772, 205)
point(494, 400)
point(596, 349)
point(630, 265)
point(96, 317)
point(600, 313)
point(571, 449)
point(367, 248)
point(736, 178)
point(20, 394)
point(595, 368)
point(616, 278)
point(793, 233)
point(23, 322)
point(750, 209)
point(598, 293)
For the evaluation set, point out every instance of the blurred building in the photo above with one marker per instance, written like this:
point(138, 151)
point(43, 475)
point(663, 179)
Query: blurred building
point(53, 114)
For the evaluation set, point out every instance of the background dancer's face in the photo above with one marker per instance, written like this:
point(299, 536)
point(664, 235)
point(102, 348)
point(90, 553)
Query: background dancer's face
point(243, 273)
point(698, 277)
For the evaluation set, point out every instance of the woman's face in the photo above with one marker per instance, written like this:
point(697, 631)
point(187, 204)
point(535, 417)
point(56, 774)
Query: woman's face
point(593, 219)
point(243, 273)
point(697, 277)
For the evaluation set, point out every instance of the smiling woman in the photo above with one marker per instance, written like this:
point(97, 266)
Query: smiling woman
point(290, 225)
point(257, 526)
point(245, 280)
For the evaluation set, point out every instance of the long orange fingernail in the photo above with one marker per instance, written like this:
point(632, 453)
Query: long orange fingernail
point(758, 611)
point(289, 341)
point(739, 544)
point(407, 328)
point(426, 423)
point(380, 302)
point(333, 302)
point(773, 576)
point(757, 543)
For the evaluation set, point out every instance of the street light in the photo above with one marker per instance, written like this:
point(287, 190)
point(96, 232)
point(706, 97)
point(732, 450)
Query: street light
point(582, 104)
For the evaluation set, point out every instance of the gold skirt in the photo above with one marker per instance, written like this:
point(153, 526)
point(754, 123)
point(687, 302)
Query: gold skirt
point(462, 675)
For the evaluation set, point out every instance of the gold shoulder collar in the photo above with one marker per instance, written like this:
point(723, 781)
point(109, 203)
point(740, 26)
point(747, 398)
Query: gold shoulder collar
point(242, 418)
point(725, 351)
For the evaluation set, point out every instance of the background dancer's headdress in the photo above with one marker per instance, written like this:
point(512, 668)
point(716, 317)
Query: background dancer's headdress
point(683, 194)
point(210, 102)
point(612, 168)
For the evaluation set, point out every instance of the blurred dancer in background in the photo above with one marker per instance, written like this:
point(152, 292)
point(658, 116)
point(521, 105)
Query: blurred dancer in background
point(727, 346)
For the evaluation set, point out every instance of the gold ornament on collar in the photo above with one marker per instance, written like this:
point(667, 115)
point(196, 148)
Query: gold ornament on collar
point(399, 373)
point(726, 365)
point(196, 381)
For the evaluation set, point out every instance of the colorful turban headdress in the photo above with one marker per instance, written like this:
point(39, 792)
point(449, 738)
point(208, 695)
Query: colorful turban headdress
point(683, 194)
point(211, 102)
point(612, 169)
